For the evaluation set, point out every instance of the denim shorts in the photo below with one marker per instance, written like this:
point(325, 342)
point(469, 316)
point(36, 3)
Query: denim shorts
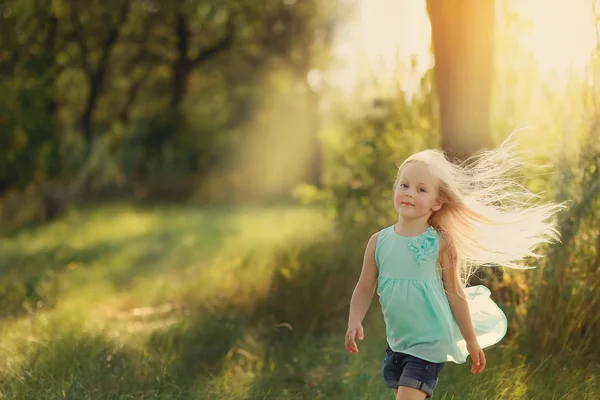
point(401, 369)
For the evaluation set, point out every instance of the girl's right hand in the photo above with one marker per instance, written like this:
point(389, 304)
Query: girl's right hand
point(353, 332)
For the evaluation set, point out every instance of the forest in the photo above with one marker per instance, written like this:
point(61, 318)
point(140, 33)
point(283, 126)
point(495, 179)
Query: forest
point(187, 188)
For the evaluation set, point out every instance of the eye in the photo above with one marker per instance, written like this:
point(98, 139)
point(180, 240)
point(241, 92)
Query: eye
point(422, 190)
point(403, 185)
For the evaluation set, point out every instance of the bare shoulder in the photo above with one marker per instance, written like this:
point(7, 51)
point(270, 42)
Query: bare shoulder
point(374, 237)
point(372, 243)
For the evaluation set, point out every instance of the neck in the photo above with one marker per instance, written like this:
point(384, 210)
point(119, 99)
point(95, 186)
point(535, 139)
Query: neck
point(411, 227)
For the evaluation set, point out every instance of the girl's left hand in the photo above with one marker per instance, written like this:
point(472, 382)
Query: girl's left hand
point(477, 356)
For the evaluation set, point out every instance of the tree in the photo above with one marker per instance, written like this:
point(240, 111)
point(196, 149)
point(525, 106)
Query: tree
point(229, 44)
point(29, 150)
point(186, 60)
point(103, 95)
point(462, 36)
point(94, 31)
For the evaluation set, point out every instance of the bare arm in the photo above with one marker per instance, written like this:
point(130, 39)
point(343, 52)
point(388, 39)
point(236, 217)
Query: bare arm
point(455, 294)
point(459, 305)
point(362, 295)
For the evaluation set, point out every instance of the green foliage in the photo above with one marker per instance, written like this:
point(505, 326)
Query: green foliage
point(568, 279)
point(179, 302)
point(27, 102)
point(186, 302)
point(364, 162)
point(156, 90)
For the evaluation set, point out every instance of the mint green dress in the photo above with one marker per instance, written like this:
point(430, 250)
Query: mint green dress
point(415, 308)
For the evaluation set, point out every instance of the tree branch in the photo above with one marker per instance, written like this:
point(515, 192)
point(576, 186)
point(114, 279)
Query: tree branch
point(79, 38)
point(142, 55)
point(132, 95)
point(183, 36)
point(223, 44)
point(111, 39)
point(96, 78)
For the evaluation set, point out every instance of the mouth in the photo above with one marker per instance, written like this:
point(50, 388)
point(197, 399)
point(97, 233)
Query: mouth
point(406, 204)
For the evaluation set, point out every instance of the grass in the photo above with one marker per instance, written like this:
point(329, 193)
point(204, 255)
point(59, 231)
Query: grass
point(181, 302)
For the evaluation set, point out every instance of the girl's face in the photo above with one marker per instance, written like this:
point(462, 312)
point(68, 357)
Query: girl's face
point(416, 194)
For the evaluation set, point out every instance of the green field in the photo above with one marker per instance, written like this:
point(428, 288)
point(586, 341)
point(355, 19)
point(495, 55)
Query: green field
point(182, 302)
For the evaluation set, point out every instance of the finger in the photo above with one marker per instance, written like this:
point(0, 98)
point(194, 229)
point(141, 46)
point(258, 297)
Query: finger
point(479, 368)
point(482, 361)
point(361, 333)
point(350, 343)
point(475, 365)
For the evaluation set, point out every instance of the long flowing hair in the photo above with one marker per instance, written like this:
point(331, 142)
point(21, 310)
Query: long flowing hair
point(487, 216)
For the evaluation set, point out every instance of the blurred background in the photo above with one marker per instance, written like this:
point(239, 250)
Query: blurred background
point(187, 187)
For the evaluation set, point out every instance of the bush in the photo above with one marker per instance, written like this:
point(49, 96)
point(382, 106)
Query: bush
point(364, 162)
point(569, 279)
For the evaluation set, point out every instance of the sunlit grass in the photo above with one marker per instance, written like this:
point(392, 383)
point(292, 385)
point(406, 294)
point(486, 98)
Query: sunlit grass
point(101, 262)
point(128, 250)
point(176, 302)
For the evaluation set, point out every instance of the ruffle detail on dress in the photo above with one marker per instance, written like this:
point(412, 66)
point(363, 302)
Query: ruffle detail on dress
point(424, 245)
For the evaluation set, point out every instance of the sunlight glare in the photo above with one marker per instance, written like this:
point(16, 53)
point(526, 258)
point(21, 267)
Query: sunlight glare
point(563, 35)
point(384, 35)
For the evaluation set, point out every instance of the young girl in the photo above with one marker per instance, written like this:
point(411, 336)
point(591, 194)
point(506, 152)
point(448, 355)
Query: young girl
point(451, 219)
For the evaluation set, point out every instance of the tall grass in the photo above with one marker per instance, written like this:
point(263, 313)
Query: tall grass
point(569, 278)
point(180, 302)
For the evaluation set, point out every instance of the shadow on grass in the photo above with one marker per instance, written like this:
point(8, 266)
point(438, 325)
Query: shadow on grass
point(199, 343)
point(311, 286)
point(276, 338)
point(176, 362)
point(76, 365)
point(286, 343)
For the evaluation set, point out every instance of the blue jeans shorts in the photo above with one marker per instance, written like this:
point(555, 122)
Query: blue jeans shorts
point(401, 369)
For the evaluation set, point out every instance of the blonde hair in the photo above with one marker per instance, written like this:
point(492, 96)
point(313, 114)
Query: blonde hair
point(487, 217)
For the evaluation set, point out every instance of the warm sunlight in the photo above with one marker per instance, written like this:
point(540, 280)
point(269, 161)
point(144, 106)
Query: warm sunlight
point(563, 34)
point(228, 199)
point(385, 34)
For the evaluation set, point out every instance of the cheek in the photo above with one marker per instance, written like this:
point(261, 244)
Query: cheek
point(431, 202)
point(425, 202)
point(397, 199)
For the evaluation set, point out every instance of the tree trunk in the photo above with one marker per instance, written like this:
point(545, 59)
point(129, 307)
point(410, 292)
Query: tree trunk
point(181, 73)
point(181, 68)
point(95, 73)
point(185, 64)
point(86, 117)
point(462, 36)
